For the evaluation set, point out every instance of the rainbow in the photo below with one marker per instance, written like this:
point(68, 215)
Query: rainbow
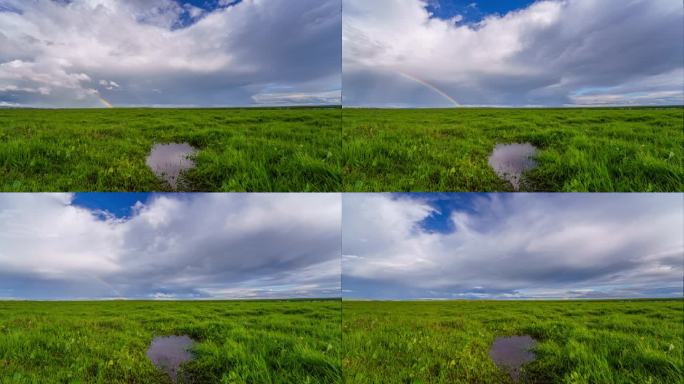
point(104, 101)
point(432, 87)
point(105, 284)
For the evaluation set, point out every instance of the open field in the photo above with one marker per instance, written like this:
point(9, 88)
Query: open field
point(106, 342)
point(578, 341)
point(442, 150)
point(263, 150)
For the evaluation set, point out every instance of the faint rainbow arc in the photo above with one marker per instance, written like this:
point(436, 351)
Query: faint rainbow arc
point(106, 284)
point(432, 87)
point(104, 101)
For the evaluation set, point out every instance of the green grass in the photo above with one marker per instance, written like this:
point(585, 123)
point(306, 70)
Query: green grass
point(311, 149)
point(443, 150)
point(263, 150)
point(578, 341)
point(105, 342)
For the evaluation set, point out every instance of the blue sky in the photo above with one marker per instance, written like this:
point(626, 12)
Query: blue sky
point(171, 246)
point(474, 11)
point(208, 5)
point(444, 204)
point(517, 53)
point(169, 53)
point(512, 246)
point(118, 204)
point(187, 18)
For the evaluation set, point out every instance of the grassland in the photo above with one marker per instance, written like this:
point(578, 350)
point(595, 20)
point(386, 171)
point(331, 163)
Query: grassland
point(106, 342)
point(310, 149)
point(440, 150)
point(261, 150)
point(578, 341)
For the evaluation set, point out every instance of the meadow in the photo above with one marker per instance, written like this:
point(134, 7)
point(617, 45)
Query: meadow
point(262, 150)
point(606, 149)
point(578, 341)
point(106, 342)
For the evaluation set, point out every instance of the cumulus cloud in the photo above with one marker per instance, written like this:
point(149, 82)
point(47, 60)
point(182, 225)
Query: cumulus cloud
point(163, 52)
point(180, 246)
point(553, 52)
point(514, 245)
point(289, 98)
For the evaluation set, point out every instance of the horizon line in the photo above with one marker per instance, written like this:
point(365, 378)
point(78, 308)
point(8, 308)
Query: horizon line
point(7, 299)
point(178, 107)
point(523, 299)
point(473, 106)
point(461, 106)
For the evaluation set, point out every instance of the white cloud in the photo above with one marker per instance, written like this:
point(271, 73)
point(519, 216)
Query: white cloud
point(223, 57)
point(109, 85)
point(176, 245)
point(540, 55)
point(515, 244)
point(194, 12)
point(289, 98)
point(35, 240)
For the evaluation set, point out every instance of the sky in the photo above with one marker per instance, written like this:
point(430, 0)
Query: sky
point(57, 246)
point(512, 246)
point(169, 246)
point(512, 53)
point(165, 53)
point(469, 11)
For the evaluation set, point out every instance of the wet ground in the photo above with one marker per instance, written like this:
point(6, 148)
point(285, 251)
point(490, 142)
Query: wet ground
point(169, 352)
point(510, 353)
point(510, 161)
point(168, 161)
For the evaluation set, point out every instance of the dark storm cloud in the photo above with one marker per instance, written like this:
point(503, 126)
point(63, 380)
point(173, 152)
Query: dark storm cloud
point(519, 245)
point(135, 53)
point(204, 245)
point(557, 52)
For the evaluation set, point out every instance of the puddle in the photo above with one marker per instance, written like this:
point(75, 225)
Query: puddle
point(509, 161)
point(168, 161)
point(169, 352)
point(510, 353)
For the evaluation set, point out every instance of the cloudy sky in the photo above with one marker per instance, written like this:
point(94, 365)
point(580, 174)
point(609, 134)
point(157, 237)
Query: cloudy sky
point(442, 53)
point(186, 246)
point(93, 53)
point(505, 246)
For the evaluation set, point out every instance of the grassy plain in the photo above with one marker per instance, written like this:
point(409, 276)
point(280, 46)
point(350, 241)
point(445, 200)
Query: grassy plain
point(618, 149)
point(105, 342)
point(276, 149)
point(578, 341)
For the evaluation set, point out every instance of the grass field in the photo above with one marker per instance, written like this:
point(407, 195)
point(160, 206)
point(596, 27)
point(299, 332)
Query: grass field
point(447, 149)
point(578, 341)
point(261, 150)
point(106, 342)
point(309, 149)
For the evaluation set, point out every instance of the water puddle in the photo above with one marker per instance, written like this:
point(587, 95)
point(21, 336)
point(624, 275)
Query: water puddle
point(169, 352)
point(510, 353)
point(510, 161)
point(168, 161)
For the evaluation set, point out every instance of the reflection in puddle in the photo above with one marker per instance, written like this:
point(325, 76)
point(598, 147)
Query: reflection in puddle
point(169, 352)
point(168, 161)
point(510, 161)
point(510, 353)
